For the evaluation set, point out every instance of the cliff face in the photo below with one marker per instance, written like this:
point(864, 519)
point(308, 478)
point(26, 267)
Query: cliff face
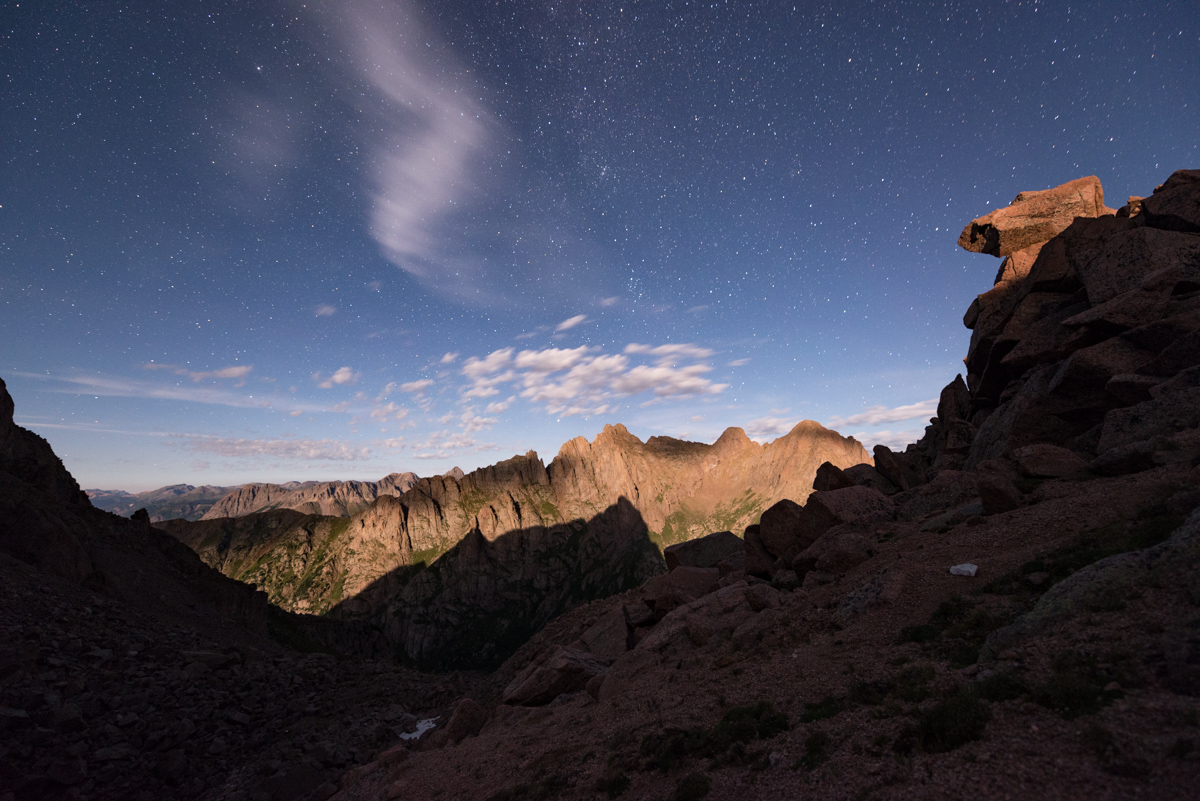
point(337, 498)
point(517, 534)
point(48, 522)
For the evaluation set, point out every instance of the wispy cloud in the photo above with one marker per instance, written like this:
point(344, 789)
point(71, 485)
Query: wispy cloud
point(417, 386)
point(432, 133)
point(571, 322)
point(343, 376)
point(449, 357)
point(878, 415)
point(896, 440)
point(765, 427)
point(388, 412)
point(237, 371)
point(286, 449)
point(325, 310)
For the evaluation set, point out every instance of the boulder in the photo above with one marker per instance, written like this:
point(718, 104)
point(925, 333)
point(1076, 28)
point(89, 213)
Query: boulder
point(864, 475)
point(1034, 217)
point(852, 504)
point(1163, 415)
point(838, 550)
point(895, 469)
point(1048, 461)
point(998, 494)
point(563, 670)
point(1119, 261)
point(780, 528)
point(691, 582)
point(704, 551)
point(608, 637)
point(466, 720)
point(1087, 370)
point(949, 488)
point(1131, 388)
point(758, 560)
point(830, 477)
point(1175, 206)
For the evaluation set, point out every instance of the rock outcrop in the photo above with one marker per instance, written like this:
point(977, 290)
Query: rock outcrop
point(335, 498)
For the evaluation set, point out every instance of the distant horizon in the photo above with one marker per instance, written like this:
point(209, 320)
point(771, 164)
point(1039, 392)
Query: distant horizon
point(419, 474)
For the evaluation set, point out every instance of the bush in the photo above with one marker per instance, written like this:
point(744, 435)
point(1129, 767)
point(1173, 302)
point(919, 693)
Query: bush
point(954, 722)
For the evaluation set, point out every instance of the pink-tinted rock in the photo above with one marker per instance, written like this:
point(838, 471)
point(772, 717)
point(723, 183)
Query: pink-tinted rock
point(1034, 217)
point(1048, 461)
point(1120, 262)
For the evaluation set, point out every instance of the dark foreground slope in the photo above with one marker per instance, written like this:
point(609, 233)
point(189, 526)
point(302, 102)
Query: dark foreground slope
point(847, 660)
point(130, 669)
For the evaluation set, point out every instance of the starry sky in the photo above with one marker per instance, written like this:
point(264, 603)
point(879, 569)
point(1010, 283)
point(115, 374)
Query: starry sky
point(281, 240)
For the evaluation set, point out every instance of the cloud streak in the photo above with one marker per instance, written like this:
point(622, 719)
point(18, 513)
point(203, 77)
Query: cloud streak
point(878, 415)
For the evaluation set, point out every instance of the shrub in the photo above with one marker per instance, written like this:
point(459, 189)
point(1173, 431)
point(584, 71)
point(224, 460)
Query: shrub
point(954, 722)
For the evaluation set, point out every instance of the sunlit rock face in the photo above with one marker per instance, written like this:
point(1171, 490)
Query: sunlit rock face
point(517, 542)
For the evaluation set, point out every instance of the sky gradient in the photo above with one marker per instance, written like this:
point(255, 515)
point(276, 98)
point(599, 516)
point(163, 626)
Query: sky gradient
point(275, 241)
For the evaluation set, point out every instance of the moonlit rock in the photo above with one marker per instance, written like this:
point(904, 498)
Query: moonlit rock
point(965, 569)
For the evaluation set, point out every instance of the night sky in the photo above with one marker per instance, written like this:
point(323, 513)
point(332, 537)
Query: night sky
point(271, 241)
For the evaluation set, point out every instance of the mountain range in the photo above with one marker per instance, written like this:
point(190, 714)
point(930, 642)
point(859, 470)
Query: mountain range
point(594, 519)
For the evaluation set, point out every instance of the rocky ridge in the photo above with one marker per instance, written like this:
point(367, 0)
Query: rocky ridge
point(177, 501)
point(543, 538)
point(835, 654)
point(334, 498)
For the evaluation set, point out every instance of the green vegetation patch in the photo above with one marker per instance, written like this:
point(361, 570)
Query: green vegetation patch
point(724, 743)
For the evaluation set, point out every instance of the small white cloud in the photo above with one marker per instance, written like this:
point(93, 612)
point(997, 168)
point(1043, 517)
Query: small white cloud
point(343, 376)
point(606, 302)
point(667, 353)
point(325, 310)
point(697, 309)
point(495, 361)
point(737, 362)
point(571, 322)
point(449, 357)
point(295, 413)
point(495, 407)
point(769, 427)
point(417, 386)
point(550, 360)
point(697, 418)
point(389, 412)
point(896, 440)
point(878, 415)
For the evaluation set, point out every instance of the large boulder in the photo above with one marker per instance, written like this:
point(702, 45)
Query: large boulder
point(1175, 206)
point(560, 670)
point(1034, 217)
point(703, 551)
point(831, 477)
